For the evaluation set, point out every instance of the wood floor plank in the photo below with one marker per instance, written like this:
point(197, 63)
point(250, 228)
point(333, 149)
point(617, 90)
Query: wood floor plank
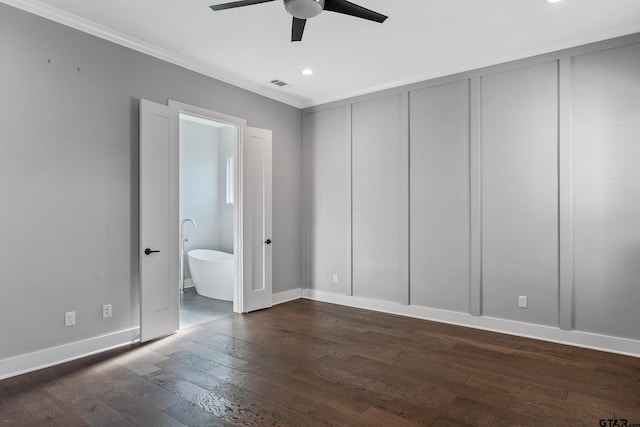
point(606, 408)
point(394, 399)
point(191, 414)
point(432, 366)
point(513, 386)
point(377, 417)
point(306, 363)
point(321, 399)
point(141, 388)
point(138, 411)
point(444, 421)
point(97, 413)
point(475, 413)
point(19, 416)
point(553, 412)
point(204, 373)
point(46, 411)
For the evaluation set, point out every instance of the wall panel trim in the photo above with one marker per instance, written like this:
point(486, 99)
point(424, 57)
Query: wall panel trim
point(475, 188)
point(405, 285)
point(565, 198)
point(349, 189)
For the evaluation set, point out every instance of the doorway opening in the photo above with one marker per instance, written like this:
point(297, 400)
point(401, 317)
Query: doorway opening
point(160, 217)
point(207, 175)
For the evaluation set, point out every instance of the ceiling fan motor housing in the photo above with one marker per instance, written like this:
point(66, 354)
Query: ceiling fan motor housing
point(304, 9)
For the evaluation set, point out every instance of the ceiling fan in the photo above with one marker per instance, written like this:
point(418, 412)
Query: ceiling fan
point(305, 9)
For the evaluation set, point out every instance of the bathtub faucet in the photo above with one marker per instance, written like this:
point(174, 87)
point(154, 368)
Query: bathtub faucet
point(191, 221)
point(182, 228)
point(184, 240)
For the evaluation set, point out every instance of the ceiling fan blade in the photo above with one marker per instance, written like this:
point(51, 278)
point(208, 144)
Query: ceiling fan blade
point(348, 8)
point(297, 28)
point(233, 4)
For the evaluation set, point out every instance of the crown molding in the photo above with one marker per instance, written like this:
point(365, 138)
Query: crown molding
point(56, 15)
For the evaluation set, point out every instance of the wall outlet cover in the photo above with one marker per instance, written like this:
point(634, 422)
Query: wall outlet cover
point(70, 318)
point(522, 301)
point(106, 311)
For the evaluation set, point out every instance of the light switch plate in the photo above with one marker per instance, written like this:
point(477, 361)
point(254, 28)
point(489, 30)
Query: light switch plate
point(522, 301)
point(70, 318)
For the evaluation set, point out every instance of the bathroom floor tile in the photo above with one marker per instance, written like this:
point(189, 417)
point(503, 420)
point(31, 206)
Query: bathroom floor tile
point(196, 309)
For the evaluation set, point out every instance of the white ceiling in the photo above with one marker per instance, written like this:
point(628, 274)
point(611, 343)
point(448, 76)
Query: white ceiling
point(422, 39)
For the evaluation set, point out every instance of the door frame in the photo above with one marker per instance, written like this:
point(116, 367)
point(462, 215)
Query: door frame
point(178, 108)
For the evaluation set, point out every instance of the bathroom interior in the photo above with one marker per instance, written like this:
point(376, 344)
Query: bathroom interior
point(207, 215)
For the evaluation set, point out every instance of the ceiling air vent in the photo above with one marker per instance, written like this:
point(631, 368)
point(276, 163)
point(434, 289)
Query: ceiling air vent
point(279, 83)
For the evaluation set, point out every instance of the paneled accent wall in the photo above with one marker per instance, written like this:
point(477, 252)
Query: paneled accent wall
point(606, 195)
point(440, 196)
point(378, 177)
point(463, 193)
point(519, 163)
point(327, 173)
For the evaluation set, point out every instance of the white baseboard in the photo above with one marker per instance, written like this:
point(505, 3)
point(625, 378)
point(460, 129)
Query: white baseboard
point(593, 341)
point(188, 283)
point(282, 297)
point(40, 359)
point(64, 353)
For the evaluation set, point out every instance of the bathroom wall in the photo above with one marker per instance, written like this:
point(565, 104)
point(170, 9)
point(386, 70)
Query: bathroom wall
point(199, 186)
point(69, 180)
point(226, 148)
point(203, 154)
point(449, 199)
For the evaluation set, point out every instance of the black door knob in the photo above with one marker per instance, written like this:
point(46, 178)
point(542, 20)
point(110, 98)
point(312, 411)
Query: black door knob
point(149, 251)
point(268, 241)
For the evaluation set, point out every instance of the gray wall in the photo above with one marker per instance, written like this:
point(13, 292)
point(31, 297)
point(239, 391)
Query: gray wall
point(69, 177)
point(327, 172)
point(379, 261)
point(522, 180)
point(440, 196)
point(606, 198)
point(520, 193)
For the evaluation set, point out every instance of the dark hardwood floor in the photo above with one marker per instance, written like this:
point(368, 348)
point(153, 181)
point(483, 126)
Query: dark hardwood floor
point(306, 363)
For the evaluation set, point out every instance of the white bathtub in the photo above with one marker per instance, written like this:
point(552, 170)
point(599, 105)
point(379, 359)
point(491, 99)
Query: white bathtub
point(212, 273)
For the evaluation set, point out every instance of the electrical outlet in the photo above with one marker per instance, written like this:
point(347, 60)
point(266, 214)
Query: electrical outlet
point(70, 318)
point(522, 301)
point(335, 278)
point(106, 311)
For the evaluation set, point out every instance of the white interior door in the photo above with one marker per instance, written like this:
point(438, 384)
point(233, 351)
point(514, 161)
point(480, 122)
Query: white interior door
point(256, 223)
point(159, 258)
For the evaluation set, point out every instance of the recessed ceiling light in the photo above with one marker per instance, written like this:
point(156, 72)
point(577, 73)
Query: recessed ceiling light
point(552, 1)
point(307, 71)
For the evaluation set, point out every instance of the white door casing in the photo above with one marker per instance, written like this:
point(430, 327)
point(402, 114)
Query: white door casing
point(256, 236)
point(159, 216)
point(159, 271)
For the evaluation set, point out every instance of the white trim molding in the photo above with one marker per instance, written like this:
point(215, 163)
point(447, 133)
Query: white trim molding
point(588, 340)
point(47, 357)
point(54, 14)
point(286, 296)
